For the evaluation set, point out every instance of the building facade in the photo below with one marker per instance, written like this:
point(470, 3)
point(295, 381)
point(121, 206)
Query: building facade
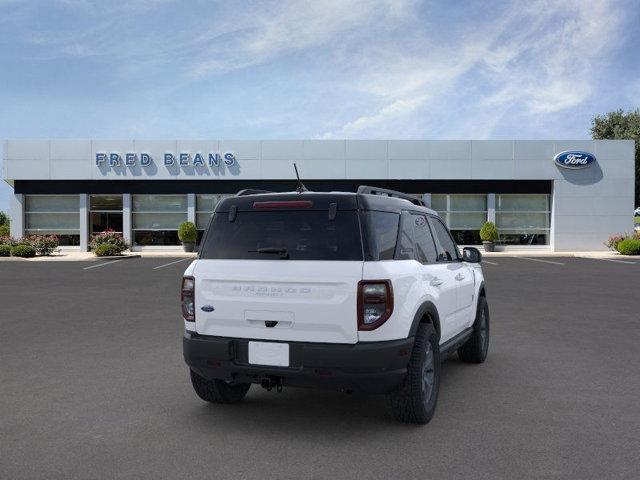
point(554, 195)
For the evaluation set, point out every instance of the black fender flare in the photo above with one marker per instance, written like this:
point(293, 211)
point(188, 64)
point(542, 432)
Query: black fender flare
point(426, 309)
point(481, 291)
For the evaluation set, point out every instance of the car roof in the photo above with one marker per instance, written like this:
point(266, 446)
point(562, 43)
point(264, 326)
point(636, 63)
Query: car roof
point(322, 200)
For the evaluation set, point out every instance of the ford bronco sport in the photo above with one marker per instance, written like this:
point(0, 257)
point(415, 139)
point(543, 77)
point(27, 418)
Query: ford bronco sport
point(361, 291)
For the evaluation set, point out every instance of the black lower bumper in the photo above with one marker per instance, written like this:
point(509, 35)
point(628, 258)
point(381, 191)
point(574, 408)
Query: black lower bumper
point(372, 367)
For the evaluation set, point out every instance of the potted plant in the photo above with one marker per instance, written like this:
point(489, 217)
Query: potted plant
point(489, 236)
point(188, 234)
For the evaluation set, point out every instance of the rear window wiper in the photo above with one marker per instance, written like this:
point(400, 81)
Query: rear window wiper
point(283, 252)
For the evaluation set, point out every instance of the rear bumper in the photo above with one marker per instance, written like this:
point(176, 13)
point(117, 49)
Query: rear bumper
point(372, 367)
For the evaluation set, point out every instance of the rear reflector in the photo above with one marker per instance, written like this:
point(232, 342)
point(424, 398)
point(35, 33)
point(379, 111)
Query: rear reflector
point(284, 204)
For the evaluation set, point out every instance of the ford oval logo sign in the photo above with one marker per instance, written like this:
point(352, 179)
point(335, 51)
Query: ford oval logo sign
point(574, 159)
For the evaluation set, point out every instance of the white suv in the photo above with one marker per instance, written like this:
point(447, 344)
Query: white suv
point(358, 291)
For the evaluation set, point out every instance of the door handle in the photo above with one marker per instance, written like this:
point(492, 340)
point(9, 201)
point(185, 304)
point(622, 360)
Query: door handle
point(459, 277)
point(436, 282)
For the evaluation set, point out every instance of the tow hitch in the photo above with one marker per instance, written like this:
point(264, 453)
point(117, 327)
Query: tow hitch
point(270, 382)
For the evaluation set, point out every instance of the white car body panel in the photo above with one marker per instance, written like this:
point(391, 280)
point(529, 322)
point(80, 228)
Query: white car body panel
point(312, 301)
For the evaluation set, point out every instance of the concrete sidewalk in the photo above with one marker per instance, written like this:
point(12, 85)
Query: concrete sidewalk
point(73, 255)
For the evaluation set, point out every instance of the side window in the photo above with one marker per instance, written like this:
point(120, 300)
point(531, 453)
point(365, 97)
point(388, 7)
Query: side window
point(425, 246)
point(382, 234)
point(447, 250)
point(406, 242)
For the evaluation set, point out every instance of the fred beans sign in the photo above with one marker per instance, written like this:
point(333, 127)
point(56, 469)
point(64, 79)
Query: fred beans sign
point(169, 159)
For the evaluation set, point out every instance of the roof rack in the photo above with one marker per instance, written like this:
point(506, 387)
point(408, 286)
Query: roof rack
point(368, 190)
point(251, 191)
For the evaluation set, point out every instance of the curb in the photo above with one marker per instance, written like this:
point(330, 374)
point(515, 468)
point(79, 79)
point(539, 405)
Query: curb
point(116, 257)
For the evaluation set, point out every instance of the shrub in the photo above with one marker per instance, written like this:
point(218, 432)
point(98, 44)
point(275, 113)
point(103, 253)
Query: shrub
point(108, 237)
point(489, 232)
point(629, 246)
point(23, 250)
point(4, 219)
point(44, 244)
point(108, 250)
point(613, 241)
point(5, 250)
point(4, 231)
point(187, 232)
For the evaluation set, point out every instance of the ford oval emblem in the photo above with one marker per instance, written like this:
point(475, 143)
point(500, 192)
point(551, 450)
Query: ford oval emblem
point(574, 159)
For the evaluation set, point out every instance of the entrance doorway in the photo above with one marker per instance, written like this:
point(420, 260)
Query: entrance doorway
point(106, 213)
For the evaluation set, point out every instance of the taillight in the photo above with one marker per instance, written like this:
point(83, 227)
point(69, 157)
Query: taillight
point(375, 303)
point(187, 298)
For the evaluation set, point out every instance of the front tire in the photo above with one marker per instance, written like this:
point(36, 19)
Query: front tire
point(218, 391)
point(414, 401)
point(476, 347)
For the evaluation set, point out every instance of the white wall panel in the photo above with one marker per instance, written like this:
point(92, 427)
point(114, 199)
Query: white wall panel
point(324, 149)
point(367, 169)
point(409, 149)
point(365, 150)
point(282, 149)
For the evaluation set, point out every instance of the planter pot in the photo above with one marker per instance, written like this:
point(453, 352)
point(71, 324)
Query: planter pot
point(188, 246)
point(489, 246)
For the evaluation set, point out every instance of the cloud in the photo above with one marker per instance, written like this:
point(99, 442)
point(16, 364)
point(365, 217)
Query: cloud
point(360, 68)
point(540, 58)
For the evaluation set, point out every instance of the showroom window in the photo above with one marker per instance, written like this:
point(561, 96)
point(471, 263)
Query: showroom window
point(54, 215)
point(205, 205)
point(156, 219)
point(106, 213)
point(464, 214)
point(523, 219)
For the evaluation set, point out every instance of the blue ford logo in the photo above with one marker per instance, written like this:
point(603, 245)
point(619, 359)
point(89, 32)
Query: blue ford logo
point(574, 159)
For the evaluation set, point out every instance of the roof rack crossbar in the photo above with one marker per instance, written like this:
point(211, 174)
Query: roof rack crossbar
point(251, 191)
point(366, 189)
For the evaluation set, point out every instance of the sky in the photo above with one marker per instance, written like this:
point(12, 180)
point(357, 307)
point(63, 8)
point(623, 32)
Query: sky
point(285, 69)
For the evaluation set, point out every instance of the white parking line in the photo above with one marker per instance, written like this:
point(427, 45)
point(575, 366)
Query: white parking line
point(540, 260)
point(490, 263)
point(171, 263)
point(101, 264)
point(613, 260)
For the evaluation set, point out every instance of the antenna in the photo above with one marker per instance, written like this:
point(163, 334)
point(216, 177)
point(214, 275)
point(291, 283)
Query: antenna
point(301, 188)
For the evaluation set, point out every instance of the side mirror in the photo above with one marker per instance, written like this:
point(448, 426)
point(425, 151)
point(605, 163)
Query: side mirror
point(471, 255)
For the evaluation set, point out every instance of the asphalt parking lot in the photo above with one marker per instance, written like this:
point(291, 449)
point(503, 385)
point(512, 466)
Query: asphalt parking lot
point(92, 385)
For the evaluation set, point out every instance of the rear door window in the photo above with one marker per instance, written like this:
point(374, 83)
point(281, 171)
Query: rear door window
point(447, 249)
point(274, 235)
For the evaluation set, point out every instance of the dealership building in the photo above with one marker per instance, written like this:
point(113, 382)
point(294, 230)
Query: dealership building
point(547, 194)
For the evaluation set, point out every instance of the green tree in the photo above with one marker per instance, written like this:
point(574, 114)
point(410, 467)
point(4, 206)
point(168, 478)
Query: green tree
point(620, 125)
point(4, 218)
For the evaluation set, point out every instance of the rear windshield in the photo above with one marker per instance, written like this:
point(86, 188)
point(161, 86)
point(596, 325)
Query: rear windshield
point(275, 235)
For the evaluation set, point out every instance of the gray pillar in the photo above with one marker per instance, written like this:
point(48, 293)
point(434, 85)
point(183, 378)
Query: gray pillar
point(17, 215)
point(191, 207)
point(491, 207)
point(84, 222)
point(426, 198)
point(126, 219)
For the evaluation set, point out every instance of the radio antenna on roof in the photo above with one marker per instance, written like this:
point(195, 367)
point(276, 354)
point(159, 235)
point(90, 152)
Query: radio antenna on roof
point(301, 188)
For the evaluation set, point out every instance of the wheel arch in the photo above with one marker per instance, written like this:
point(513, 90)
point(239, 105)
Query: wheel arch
point(427, 313)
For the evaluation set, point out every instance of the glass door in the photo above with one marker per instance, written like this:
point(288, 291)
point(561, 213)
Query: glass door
point(106, 213)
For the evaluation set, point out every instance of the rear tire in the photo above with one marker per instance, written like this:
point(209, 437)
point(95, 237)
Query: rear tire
point(218, 391)
point(476, 347)
point(414, 401)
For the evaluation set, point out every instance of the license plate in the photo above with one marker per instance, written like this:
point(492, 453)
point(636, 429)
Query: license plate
point(269, 353)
